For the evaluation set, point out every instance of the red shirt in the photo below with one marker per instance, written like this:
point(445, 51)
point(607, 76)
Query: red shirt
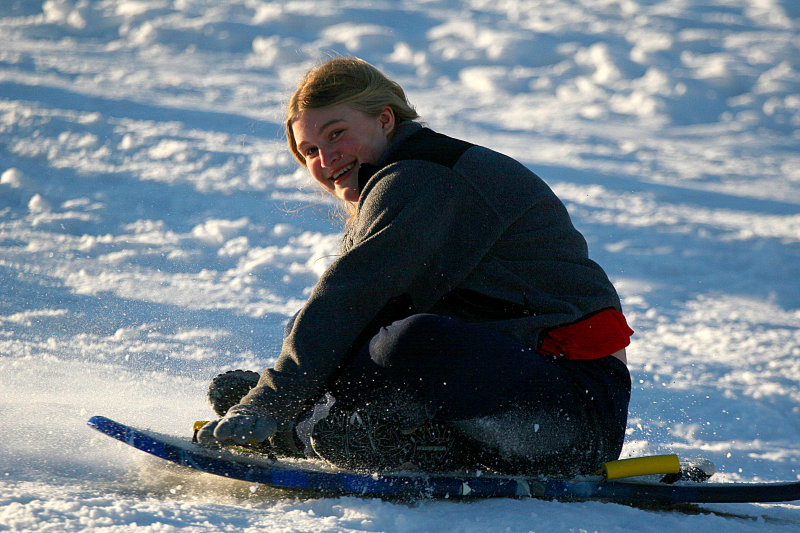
point(597, 336)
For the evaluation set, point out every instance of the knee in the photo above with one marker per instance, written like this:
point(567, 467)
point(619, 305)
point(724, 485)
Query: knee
point(404, 340)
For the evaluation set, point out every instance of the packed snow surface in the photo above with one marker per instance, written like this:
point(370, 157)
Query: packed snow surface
point(154, 231)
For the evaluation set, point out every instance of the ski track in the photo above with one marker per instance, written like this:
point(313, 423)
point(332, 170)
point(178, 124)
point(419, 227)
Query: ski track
point(154, 231)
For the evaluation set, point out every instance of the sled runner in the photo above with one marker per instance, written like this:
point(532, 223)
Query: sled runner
point(309, 475)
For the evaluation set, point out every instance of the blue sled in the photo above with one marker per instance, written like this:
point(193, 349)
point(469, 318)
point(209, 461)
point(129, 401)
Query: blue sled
point(259, 469)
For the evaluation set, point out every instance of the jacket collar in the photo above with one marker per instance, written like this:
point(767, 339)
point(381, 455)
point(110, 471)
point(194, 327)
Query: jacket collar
point(367, 170)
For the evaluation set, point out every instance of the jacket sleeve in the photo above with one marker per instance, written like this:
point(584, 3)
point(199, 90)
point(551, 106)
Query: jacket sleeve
point(419, 231)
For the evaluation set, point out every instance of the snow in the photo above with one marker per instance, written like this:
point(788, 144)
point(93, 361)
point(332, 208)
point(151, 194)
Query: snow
point(154, 230)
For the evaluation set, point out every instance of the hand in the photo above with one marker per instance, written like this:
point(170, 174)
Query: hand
point(239, 425)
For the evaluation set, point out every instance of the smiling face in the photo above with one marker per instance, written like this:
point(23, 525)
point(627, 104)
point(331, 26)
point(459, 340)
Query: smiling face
point(335, 141)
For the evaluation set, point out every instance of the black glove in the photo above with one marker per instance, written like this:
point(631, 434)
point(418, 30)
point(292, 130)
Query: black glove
point(240, 424)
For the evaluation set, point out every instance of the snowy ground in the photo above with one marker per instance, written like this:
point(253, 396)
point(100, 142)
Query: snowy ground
point(154, 231)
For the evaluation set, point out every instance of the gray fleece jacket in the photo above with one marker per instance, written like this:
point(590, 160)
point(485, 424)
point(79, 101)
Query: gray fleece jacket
point(454, 229)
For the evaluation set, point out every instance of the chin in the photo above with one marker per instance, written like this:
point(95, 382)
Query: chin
point(348, 195)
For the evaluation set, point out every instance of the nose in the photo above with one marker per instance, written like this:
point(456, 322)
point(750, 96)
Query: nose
point(328, 157)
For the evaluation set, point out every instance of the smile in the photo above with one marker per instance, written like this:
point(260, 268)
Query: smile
point(339, 173)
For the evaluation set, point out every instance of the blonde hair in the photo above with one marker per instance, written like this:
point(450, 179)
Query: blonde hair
point(346, 80)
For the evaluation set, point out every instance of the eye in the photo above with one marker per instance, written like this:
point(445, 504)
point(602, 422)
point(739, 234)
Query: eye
point(310, 152)
point(335, 134)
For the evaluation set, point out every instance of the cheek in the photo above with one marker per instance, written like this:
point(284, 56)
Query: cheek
point(372, 152)
point(316, 173)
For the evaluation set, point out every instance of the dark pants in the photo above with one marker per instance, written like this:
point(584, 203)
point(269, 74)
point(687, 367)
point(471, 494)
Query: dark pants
point(530, 412)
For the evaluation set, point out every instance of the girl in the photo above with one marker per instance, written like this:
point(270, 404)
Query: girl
point(463, 324)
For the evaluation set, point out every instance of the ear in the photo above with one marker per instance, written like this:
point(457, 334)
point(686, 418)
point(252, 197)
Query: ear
point(386, 119)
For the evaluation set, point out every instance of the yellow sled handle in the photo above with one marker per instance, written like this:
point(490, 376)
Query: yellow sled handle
point(641, 466)
point(196, 427)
